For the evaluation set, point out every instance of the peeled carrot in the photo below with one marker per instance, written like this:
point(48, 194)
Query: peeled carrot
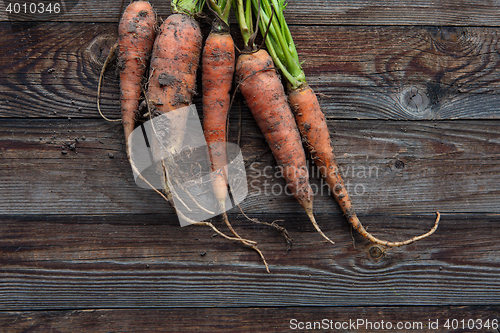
point(265, 96)
point(308, 115)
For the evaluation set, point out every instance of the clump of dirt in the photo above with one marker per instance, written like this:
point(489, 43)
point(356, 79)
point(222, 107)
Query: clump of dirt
point(69, 146)
point(165, 79)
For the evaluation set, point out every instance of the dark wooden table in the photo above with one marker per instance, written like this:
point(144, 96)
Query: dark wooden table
point(411, 91)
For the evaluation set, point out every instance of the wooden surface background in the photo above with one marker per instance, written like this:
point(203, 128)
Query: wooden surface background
point(411, 91)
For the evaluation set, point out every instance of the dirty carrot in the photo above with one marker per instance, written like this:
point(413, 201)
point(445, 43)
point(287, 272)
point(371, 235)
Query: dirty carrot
point(309, 117)
point(217, 76)
point(265, 96)
point(173, 67)
point(135, 41)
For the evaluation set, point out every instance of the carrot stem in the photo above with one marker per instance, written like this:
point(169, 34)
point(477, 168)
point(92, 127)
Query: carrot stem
point(244, 18)
point(279, 40)
point(222, 8)
point(187, 7)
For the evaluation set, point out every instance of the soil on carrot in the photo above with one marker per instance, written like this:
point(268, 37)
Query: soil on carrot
point(165, 79)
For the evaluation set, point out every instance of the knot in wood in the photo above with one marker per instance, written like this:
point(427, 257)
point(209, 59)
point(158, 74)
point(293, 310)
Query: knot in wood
point(415, 100)
point(376, 252)
point(446, 34)
point(98, 49)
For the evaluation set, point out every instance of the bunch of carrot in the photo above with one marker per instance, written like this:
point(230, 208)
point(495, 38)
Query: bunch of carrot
point(173, 55)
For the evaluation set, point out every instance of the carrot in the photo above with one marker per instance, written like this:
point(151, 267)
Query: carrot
point(135, 41)
point(217, 77)
point(218, 60)
point(265, 96)
point(308, 115)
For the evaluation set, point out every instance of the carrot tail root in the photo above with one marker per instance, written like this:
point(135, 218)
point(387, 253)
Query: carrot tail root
point(316, 226)
point(112, 54)
point(362, 231)
point(169, 198)
point(249, 243)
point(277, 227)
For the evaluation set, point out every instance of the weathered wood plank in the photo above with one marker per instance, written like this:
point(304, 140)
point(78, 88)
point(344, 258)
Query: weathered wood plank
point(51, 70)
point(410, 167)
point(404, 72)
point(320, 12)
point(135, 261)
point(248, 319)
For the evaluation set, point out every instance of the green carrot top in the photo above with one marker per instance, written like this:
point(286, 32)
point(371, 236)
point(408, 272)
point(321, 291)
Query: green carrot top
point(243, 12)
point(188, 7)
point(279, 40)
point(222, 8)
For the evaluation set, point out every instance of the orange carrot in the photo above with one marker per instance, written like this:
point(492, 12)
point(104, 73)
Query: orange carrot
point(135, 41)
point(314, 130)
point(174, 62)
point(309, 117)
point(218, 69)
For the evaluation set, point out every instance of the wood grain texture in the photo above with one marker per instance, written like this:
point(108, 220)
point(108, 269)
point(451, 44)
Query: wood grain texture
point(239, 319)
point(402, 168)
point(403, 72)
point(411, 73)
point(148, 261)
point(314, 12)
point(84, 249)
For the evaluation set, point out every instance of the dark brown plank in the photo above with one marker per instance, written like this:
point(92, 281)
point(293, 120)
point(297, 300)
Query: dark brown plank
point(51, 70)
point(403, 72)
point(137, 261)
point(403, 168)
point(74, 11)
point(421, 319)
point(321, 12)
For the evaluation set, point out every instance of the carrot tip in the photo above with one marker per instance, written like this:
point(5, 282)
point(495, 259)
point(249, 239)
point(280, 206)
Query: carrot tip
point(316, 226)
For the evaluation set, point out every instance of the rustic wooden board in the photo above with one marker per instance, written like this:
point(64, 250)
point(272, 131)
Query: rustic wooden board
point(51, 70)
point(315, 12)
point(148, 261)
point(245, 319)
point(84, 249)
point(396, 167)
